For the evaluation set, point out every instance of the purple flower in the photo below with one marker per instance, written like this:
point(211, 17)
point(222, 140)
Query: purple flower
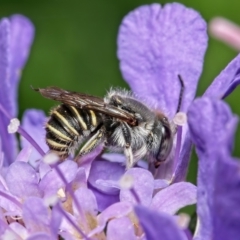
point(212, 127)
point(157, 44)
point(16, 35)
point(95, 198)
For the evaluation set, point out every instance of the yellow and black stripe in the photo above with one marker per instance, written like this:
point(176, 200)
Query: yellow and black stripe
point(67, 125)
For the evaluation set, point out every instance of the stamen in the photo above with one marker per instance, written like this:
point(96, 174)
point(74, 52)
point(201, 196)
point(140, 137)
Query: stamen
point(126, 181)
point(71, 222)
point(183, 220)
point(13, 125)
point(180, 119)
point(20, 130)
point(61, 194)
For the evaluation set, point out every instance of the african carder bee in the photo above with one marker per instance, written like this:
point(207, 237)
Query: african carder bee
point(119, 120)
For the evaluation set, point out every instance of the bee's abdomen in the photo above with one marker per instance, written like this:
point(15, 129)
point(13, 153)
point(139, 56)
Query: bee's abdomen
point(68, 126)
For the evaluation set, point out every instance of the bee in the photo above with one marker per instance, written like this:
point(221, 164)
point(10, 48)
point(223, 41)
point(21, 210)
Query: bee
point(119, 120)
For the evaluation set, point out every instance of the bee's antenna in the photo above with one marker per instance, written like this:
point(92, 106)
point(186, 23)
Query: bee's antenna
point(181, 93)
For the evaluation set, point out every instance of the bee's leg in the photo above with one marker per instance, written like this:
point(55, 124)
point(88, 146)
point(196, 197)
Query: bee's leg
point(96, 138)
point(127, 148)
point(129, 155)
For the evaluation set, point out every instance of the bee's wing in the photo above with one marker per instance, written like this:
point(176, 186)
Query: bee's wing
point(85, 101)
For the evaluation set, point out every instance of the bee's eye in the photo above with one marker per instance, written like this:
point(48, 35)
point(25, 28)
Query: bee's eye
point(164, 119)
point(166, 144)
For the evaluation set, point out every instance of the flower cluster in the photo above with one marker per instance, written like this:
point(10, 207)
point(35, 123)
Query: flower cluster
point(95, 197)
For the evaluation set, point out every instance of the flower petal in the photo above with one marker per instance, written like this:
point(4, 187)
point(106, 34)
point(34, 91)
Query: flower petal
point(52, 182)
point(181, 169)
point(55, 221)
point(22, 34)
point(24, 154)
point(105, 170)
point(157, 44)
point(226, 198)
point(117, 210)
point(158, 225)
point(104, 200)
point(22, 180)
point(211, 123)
point(143, 184)
point(9, 141)
point(174, 197)
point(40, 236)
point(36, 216)
point(33, 123)
point(19, 229)
point(226, 81)
point(87, 202)
point(120, 228)
point(10, 204)
point(212, 127)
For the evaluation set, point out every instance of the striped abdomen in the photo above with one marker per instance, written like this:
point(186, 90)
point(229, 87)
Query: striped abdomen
point(69, 126)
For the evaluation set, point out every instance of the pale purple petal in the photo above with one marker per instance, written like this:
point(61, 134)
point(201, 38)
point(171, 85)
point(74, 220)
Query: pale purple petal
point(181, 169)
point(9, 141)
point(226, 81)
point(67, 229)
point(80, 179)
point(143, 184)
point(1, 155)
point(226, 198)
point(22, 34)
point(160, 183)
point(117, 210)
point(33, 123)
point(43, 169)
point(174, 197)
point(104, 200)
point(10, 204)
point(114, 157)
point(121, 228)
point(158, 226)
point(155, 45)
point(55, 221)
point(210, 123)
point(41, 236)
point(19, 229)
point(22, 180)
point(87, 202)
point(25, 154)
point(212, 127)
point(36, 215)
point(105, 170)
point(52, 182)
